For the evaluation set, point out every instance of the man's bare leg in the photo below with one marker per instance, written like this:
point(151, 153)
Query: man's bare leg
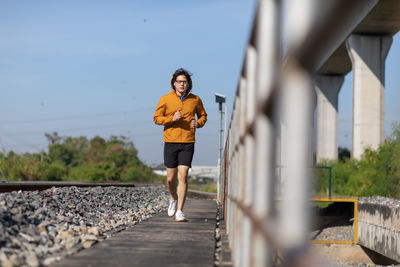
point(182, 185)
point(171, 182)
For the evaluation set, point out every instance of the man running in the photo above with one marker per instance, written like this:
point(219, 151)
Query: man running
point(176, 112)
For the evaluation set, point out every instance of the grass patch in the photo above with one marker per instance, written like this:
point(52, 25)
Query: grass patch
point(210, 187)
point(321, 204)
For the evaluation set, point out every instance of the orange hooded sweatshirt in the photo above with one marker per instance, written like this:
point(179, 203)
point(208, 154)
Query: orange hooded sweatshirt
point(179, 131)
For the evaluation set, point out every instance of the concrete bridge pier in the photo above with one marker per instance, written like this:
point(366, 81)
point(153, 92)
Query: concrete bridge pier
point(368, 54)
point(327, 88)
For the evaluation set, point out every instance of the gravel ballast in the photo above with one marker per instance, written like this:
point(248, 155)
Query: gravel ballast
point(339, 230)
point(41, 227)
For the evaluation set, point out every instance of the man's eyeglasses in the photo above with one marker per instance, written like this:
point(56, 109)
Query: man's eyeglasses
point(178, 82)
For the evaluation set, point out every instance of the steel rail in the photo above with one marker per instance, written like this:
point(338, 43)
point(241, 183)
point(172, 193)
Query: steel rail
point(39, 185)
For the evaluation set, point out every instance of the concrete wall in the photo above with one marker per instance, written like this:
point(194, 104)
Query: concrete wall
point(379, 226)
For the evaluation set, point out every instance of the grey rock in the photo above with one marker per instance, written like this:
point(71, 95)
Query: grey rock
point(7, 263)
point(28, 246)
point(94, 230)
point(88, 238)
point(15, 243)
point(32, 259)
point(15, 260)
point(71, 242)
point(26, 237)
point(41, 250)
point(55, 248)
point(88, 243)
point(18, 218)
point(51, 260)
point(39, 211)
point(3, 256)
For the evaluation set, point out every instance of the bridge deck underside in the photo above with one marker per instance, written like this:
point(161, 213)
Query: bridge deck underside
point(382, 20)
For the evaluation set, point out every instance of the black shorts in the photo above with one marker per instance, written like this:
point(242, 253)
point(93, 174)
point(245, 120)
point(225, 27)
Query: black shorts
point(178, 154)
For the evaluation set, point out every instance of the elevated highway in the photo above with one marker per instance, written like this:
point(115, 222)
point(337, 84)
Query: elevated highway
point(383, 19)
point(363, 51)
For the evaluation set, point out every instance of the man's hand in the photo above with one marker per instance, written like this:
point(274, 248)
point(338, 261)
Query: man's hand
point(177, 116)
point(193, 123)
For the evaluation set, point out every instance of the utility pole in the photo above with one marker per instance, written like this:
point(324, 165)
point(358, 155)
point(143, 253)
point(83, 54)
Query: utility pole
point(220, 99)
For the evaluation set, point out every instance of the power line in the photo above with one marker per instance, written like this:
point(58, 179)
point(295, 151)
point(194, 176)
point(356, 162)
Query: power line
point(78, 129)
point(74, 117)
point(23, 143)
point(130, 124)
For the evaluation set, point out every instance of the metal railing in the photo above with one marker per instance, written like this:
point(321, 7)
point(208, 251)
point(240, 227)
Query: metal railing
point(271, 125)
point(280, 169)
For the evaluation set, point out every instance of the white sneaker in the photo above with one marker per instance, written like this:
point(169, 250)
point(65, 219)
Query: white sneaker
point(179, 216)
point(172, 207)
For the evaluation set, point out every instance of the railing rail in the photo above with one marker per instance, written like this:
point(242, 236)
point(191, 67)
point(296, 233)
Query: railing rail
point(271, 125)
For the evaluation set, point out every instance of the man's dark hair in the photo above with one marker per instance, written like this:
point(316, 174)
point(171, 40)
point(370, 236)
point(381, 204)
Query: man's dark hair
point(182, 71)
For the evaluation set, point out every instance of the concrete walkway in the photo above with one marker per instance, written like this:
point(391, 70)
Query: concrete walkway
point(159, 241)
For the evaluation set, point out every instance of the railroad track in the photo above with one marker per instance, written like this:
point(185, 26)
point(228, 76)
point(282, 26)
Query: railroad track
point(38, 185)
point(41, 185)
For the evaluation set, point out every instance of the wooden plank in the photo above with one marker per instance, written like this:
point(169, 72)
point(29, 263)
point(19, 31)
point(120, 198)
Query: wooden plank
point(160, 241)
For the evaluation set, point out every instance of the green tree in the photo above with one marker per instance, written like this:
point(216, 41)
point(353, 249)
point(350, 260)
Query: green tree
point(60, 152)
point(53, 138)
point(78, 159)
point(95, 151)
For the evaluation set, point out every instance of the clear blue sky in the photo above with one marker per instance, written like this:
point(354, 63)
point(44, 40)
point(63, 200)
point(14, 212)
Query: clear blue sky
point(99, 68)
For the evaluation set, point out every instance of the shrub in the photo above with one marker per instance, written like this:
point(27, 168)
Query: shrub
point(376, 173)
